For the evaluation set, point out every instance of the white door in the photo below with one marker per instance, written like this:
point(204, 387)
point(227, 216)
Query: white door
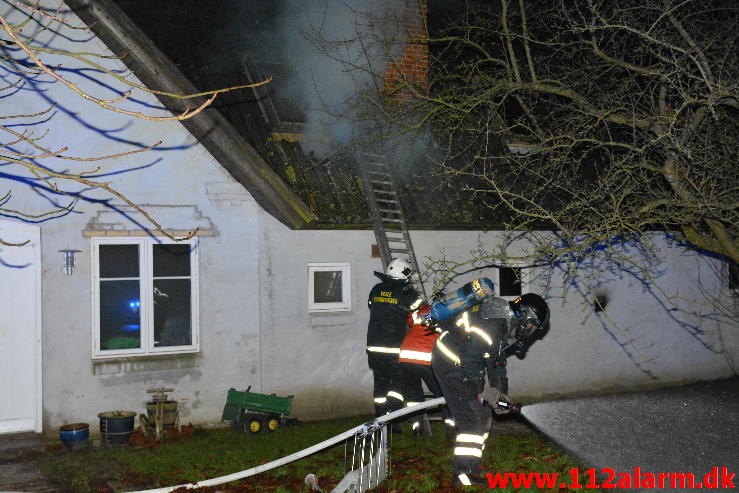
point(20, 328)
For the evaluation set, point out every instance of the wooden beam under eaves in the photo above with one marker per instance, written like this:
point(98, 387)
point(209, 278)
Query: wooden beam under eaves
point(114, 28)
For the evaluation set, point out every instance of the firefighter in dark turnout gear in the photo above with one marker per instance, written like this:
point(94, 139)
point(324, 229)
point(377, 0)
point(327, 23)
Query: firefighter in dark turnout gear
point(389, 303)
point(471, 346)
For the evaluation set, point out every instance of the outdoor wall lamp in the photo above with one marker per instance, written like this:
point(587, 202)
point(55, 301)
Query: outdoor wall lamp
point(69, 261)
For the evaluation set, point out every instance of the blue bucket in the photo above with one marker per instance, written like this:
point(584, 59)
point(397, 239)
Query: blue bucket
point(116, 427)
point(74, 436)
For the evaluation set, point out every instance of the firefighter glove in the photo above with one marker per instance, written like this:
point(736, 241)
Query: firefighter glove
point(502, 405)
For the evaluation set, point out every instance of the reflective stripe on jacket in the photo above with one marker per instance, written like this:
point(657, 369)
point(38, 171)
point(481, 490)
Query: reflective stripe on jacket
point(417, 345)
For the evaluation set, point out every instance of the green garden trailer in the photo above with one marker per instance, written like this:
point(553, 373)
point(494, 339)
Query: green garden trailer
point(252, 411)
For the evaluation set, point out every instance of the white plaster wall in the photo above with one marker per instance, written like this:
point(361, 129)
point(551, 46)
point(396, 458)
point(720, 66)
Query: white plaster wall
point(183, 187)
point(635, 343)
point(317, 357)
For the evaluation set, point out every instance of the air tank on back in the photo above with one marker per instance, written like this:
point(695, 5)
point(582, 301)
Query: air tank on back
point(469, 295)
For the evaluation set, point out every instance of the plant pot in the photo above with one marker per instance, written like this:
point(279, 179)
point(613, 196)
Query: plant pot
point(74, 436)
point(116, 427)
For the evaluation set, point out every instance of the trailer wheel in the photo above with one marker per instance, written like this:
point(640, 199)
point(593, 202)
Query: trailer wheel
point(252, 424)
point(273, 423)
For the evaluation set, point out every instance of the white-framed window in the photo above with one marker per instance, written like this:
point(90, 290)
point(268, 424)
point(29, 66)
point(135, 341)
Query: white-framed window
point(328, 287)
point(145, 296)
point(511, 281)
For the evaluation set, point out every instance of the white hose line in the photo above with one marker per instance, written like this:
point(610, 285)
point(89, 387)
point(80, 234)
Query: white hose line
point(297, 455)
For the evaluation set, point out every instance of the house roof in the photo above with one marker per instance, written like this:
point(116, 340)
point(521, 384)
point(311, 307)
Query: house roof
point(256, 133)
point(210, 127)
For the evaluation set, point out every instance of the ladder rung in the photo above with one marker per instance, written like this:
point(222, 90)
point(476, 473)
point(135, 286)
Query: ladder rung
point(391, 220)
point(387, 201)
point(391, 211)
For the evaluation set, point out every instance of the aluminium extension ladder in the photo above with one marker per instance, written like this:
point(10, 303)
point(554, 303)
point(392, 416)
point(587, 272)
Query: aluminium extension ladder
point(388, 220)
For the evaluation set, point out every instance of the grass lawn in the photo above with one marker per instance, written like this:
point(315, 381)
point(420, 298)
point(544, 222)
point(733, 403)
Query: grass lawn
point(417, 465)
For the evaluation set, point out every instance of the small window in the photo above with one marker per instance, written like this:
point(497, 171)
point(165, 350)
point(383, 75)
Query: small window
point(145, 296)
point(511, 281)
point(328, 287)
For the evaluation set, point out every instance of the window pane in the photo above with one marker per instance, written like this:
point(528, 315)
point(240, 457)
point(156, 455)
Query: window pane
point(119, 261)
point(510, 281)
point(327, 287)
point(120, 320)
point(172, 321)
point(172, 260)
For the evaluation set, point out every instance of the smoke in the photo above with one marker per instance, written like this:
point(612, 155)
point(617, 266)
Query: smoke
point(328, 51)
point(321, 54)
point(337, 50)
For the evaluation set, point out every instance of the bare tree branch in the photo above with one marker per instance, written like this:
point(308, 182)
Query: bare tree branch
point(29, 60)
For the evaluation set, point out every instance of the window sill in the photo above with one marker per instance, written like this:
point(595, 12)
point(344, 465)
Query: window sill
point(326, 319)
point(130, 364)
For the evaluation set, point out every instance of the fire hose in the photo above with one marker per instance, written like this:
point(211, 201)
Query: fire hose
point(297, 455)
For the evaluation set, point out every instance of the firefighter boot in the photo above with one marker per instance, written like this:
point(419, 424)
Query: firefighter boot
point(468, 480)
